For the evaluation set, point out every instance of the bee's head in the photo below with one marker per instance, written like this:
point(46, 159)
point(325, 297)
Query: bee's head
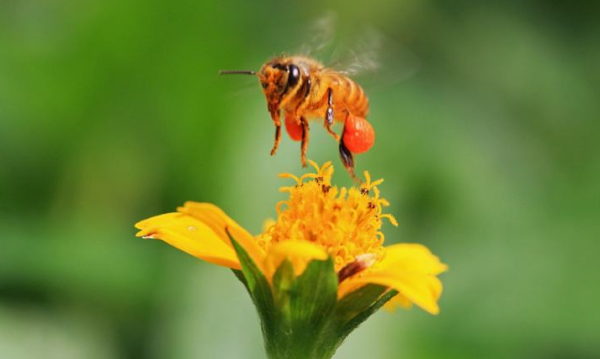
point(278, 78)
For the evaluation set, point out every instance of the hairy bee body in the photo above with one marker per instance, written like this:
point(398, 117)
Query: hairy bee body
point(302, 88)
point(309, 98)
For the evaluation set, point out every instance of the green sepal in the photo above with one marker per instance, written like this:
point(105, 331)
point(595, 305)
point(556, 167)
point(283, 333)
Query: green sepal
point(350, 311)
point(305, 304)
point(312, 301)
point(313, 296)
point(239, 275)
point(301, 316)
point(356, 307)
point(356, 302)
point(260, 291)
point(283, 279)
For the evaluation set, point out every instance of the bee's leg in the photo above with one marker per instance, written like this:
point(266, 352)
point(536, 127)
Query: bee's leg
point(347, 158)
point(277, 122)
point(305, 135)
point(329, 115)
point(277, 139)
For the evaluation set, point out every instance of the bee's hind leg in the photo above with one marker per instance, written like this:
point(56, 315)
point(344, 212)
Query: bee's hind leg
point(329, 115)
point(347, 157)
point(348, 160)
point(305, 138)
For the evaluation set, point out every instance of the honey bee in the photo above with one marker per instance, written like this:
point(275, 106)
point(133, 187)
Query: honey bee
point(304, 89)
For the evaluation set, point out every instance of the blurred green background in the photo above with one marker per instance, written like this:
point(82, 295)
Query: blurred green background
point(112, 111)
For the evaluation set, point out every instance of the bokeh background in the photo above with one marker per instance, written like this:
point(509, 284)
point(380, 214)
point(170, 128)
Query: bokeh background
point(112, 111)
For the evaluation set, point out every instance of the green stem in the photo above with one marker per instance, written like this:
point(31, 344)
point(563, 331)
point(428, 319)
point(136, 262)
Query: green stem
point(299, 348)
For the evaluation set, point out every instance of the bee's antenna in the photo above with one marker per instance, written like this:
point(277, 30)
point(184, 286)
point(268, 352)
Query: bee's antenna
point(237, 72)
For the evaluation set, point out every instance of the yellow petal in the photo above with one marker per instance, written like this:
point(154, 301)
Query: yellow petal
point(190, 235)
point(300, 253)
point(410, 257)
point(421, 289)
point(410, 269)
point(221, 223)
point(398, 301)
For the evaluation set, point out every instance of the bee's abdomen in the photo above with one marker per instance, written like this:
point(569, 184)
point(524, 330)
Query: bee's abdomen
point(349, 95)
point(312, 99)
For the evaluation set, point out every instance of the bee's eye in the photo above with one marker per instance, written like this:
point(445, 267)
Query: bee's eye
point(265, 85)
point(294, 75)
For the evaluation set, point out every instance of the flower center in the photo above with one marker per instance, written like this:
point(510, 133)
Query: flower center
point(345, 222)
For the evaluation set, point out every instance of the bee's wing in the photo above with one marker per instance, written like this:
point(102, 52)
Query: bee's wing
point(375, 58)
point(364, 53)
point(320, 35)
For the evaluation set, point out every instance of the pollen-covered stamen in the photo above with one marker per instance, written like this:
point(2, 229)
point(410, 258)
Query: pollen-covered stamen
point(361, 263)
point(345, 222)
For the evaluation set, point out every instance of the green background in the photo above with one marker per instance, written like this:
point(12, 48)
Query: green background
point(112, 111)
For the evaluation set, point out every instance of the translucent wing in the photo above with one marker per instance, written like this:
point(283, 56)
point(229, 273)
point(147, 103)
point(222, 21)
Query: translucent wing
point(362, 56)
point(375, 58)
point(365, 53)
point(320, 35)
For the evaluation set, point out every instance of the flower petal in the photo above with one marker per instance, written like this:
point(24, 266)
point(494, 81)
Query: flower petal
point(190, 235)
point(411, 257)
point(410, 269)
point(299, 252)
point(423, 290)
point(221, 223)
point(398, 301)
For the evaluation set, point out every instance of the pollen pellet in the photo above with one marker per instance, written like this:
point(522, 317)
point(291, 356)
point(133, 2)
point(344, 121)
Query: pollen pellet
point(293, 128)
point(359, 135)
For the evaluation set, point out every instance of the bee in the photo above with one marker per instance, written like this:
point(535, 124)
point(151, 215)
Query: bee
point(303, 89)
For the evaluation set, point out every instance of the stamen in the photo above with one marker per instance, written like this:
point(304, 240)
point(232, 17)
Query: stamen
point(345, 222)
point(391, 219)
point(367, 183)
point(308, 175)
point(315, 165)
point(376, 191)
point(376, 183)
point(278, 206)
point(289, 175)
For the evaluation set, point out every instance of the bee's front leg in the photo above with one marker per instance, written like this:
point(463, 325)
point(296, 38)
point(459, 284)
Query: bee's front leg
point(304, 146)
point(329, 115)
point(275, 115)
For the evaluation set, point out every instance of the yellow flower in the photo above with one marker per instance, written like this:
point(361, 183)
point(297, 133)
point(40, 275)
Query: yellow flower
point(318, 221)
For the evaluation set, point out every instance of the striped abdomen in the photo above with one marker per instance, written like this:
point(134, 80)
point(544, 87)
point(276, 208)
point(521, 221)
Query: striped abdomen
point(347, 94)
